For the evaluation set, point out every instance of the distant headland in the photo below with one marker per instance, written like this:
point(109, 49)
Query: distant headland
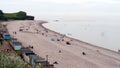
point(21, 15)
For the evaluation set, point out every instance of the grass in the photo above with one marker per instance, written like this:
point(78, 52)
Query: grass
point(10, 15)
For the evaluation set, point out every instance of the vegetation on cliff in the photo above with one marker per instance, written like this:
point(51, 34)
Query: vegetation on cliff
point(21, 15)
point(10, 61)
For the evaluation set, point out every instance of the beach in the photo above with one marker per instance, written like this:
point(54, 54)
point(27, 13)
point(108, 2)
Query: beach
point(67, 52)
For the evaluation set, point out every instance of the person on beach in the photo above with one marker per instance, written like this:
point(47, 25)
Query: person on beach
point(37, 30)
point(15, 32)
point(97, 50)
point(68, 43)
point(55, 62)
point(42, 33)
point(59, 51)
point(26, 29)
point(32, 47)
point(83, 53)
point(58, 39)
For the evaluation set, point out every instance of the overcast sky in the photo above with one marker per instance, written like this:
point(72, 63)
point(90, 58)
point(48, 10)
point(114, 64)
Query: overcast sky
point(63, 7)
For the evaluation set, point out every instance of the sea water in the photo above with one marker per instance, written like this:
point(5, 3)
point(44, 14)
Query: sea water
point(104, 32)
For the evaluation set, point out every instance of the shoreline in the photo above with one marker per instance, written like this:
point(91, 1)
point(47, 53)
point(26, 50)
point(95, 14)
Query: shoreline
point(95, 56)
point(88, 44)
point(41, 24)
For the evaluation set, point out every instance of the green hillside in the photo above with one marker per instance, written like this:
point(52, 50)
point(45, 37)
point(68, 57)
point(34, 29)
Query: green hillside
point(21, 15)
point(10, 15)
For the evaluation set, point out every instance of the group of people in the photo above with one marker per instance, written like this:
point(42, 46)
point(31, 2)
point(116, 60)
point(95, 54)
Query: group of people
point(14, 32)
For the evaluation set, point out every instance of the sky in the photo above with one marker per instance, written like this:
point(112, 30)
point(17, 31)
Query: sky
point(62, 7)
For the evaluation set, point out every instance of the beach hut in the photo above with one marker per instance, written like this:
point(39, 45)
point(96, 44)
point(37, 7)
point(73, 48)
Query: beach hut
point(48, 66)
point(34, 59)
point(16, 45)
point(6, 36)
point(25, 53)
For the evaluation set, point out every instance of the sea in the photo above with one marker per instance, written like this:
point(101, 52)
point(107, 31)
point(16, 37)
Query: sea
point(103, 31)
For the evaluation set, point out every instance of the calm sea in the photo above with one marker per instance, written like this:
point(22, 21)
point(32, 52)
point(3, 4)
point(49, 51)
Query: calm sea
point(100, 31)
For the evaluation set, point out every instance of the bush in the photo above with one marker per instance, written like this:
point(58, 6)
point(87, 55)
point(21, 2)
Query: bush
point(29, 17)
point(9, 61)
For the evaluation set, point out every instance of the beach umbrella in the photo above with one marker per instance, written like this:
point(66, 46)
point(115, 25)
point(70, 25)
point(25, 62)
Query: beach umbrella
point(52, 39)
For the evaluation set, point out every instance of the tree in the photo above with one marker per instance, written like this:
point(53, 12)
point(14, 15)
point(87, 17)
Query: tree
point(2, 16)
point(1, 13)
point(21, 15)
